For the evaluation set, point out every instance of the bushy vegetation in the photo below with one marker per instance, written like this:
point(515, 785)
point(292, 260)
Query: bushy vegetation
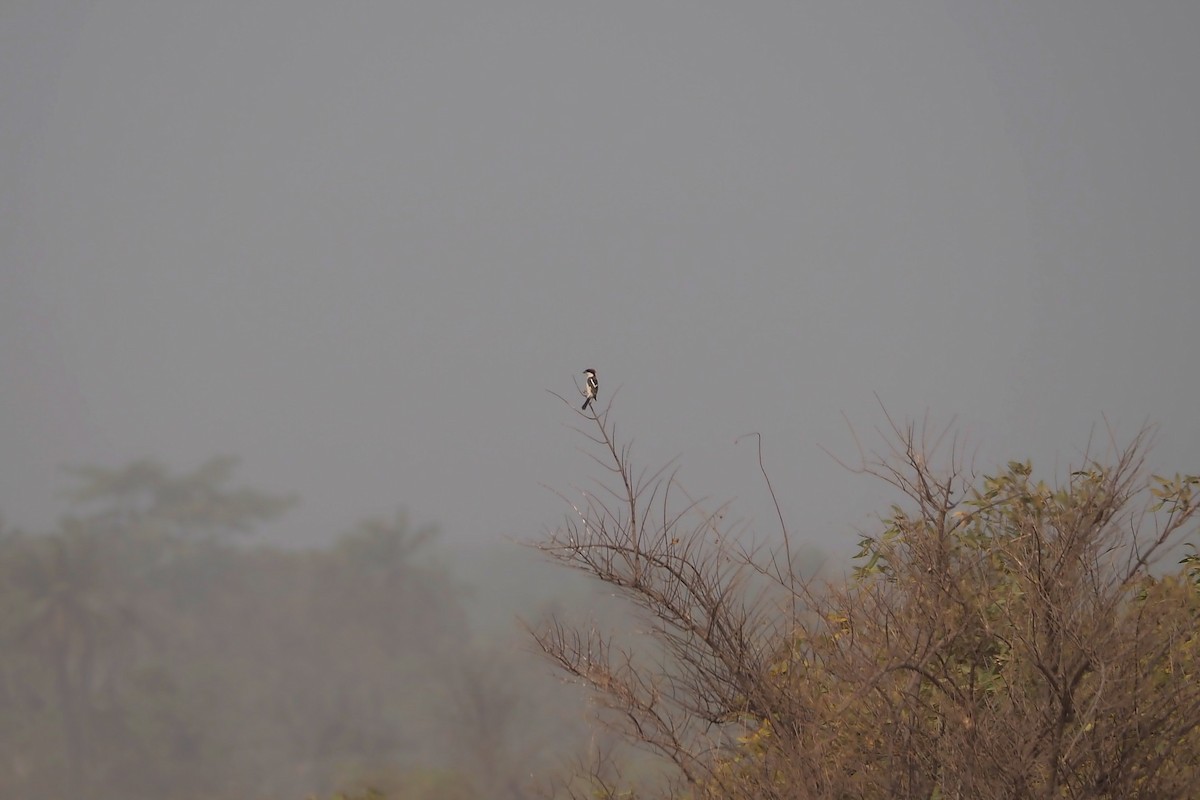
point(1002, 636)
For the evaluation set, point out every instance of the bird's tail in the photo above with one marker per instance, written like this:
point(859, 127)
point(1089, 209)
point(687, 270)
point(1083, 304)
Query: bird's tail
point(585, 404)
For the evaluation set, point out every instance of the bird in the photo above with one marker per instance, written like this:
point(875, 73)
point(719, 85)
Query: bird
point(590, 388)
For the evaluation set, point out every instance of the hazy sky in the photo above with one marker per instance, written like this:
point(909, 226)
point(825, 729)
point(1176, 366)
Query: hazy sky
point(355, 243)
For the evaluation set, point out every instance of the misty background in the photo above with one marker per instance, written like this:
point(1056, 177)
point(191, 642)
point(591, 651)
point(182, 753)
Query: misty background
point(354, 245)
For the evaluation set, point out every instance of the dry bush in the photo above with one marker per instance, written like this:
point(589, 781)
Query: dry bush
point(1001, 637)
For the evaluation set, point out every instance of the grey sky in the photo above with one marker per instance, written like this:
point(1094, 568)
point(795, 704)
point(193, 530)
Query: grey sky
point(355, 243)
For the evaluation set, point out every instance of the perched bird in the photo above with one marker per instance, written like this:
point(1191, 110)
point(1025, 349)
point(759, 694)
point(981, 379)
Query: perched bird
point(590, 387)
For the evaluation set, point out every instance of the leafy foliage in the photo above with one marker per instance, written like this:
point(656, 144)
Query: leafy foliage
point(1002, 636)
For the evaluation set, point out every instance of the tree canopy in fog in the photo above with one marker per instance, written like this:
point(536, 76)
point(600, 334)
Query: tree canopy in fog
point(148, 651)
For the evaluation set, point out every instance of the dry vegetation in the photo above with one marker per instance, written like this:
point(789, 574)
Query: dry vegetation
point(1001, 636)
